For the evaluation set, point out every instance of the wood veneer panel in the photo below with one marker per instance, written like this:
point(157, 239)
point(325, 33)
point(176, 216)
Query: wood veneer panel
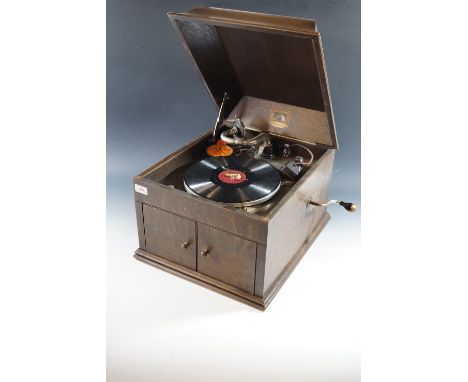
point(229, 259)
point(275, 67)
point(260, 270)
point(140, 225)
point(225, 289)
point(204, 45)
point(255, 19)
point(294, 221)
point(170, 236)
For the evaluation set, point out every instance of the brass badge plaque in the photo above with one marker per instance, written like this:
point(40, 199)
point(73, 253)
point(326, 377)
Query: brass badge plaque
point(279, 119)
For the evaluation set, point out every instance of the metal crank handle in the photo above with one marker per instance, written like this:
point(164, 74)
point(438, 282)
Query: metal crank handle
point(351, 207)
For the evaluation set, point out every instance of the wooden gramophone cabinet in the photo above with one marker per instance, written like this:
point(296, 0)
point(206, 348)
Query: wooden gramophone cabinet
point(266, 64)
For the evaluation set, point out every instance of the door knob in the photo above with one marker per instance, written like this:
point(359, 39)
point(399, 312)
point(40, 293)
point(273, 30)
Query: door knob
point(205, 252)
point(185, 245)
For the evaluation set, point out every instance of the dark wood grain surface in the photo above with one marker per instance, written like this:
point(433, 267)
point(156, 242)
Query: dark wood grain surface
point(170, 236)
point(278, 59)
point(260, 271)
point(255, 19)
point(294, 220)
point(140, 225)
point(228, 290)
point(234, 221)
point(274, 66)
point(226, 258)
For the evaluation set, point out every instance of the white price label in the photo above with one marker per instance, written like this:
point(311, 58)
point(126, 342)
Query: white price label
point(141, 189)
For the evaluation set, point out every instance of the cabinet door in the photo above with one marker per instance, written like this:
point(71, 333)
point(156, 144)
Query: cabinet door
point(170, 236)
point(226, 258)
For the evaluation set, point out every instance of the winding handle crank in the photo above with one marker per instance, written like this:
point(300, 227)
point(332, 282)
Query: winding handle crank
point(351, 207)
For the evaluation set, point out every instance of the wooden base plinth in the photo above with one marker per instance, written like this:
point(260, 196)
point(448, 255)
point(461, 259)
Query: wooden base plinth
point(225, 289)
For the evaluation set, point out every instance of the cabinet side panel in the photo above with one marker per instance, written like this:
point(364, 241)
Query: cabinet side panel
point(260, 270)
point(293, 225)
point(140, 225)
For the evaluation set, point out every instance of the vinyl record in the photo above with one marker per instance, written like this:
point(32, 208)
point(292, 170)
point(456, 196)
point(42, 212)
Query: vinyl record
point(236, 181)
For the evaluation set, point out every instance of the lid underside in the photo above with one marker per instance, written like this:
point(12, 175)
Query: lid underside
point(263, 57)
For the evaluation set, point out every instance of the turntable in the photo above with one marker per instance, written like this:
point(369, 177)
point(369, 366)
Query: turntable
point(237, 182)
point(237, 208)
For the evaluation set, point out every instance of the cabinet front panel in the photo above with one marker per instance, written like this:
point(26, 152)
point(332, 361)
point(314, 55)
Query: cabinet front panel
point(227, 258)
point(204, 211)
point(170, 236)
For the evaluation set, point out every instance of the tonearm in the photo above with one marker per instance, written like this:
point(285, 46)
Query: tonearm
point(236, 136)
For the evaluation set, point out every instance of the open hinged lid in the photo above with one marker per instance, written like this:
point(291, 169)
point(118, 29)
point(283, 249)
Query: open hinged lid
point(272, 67)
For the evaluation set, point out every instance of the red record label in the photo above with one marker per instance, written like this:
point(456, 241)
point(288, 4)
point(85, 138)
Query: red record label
point(232, 176)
